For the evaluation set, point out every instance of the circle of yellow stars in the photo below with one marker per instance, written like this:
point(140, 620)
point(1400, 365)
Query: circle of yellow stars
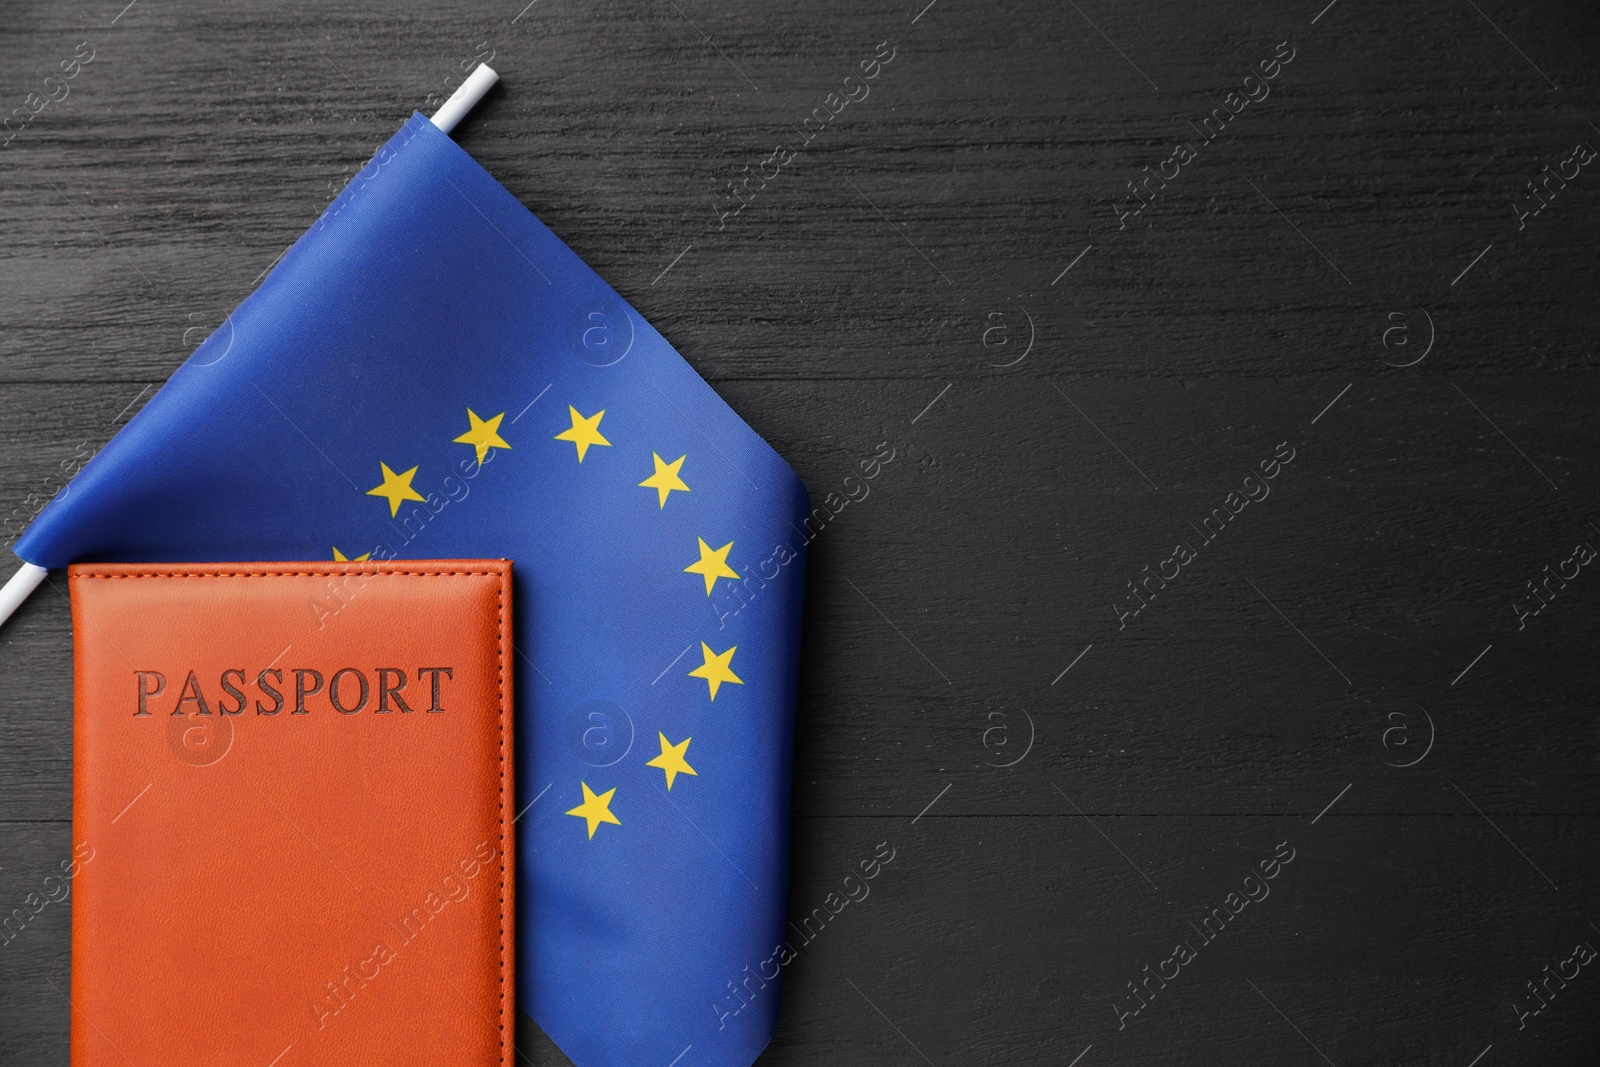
point(716, 668)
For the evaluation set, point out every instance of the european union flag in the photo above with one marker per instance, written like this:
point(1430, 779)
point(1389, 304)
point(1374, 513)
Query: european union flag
point(430, 373)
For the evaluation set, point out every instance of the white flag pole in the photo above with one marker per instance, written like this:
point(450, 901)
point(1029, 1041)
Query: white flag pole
point(480, 81)
point(16, 590)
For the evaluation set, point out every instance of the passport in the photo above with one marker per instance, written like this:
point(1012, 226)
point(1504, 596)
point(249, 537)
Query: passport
point(295, 783)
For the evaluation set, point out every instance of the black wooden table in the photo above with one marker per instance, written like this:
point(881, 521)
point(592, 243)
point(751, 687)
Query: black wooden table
point(1235, 364)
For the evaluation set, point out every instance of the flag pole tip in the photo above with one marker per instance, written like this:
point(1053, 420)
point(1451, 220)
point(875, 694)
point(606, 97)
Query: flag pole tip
point(479, 82)
point(17, 588)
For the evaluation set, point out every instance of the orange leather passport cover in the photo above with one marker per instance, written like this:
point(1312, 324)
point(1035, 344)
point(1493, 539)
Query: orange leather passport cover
point(292, 814)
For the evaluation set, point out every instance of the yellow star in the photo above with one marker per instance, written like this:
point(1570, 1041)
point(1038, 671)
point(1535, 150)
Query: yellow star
point(584, 431)
point(340, 557)
point(712, 564)
point(595, 809)
point(717, 668)
point(395, 488)
point(671, 760)
point(483, 435)
point(665, 479)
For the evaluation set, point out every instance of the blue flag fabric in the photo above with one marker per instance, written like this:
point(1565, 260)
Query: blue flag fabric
point(431, 373)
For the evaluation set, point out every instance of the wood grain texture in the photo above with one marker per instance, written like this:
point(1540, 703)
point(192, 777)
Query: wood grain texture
point(1068, 398)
